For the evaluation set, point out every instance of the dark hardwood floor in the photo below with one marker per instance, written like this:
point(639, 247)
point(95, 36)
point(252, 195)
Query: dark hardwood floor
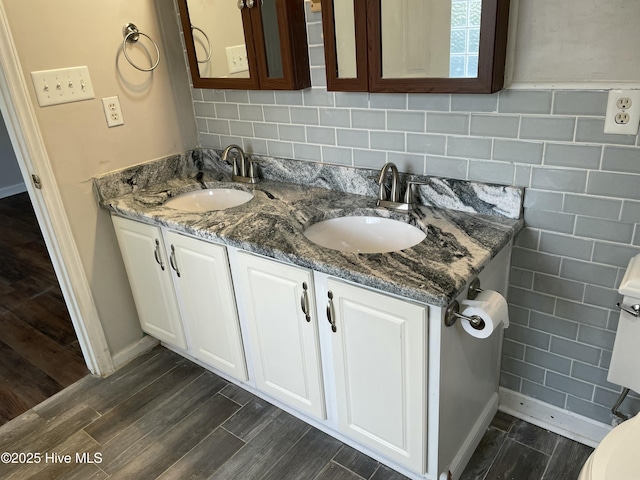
point(39, 352)
point(164, 417)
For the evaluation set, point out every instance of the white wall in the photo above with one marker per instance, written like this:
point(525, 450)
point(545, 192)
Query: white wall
point(158, 122)
point(575, 41)
point(10, 178)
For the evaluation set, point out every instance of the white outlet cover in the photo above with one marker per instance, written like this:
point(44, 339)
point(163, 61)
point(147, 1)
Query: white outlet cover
point(630, 128)
point(112, 111)
point(63, 85)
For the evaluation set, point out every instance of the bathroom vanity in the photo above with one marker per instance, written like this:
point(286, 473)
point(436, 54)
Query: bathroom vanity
point(354, 344)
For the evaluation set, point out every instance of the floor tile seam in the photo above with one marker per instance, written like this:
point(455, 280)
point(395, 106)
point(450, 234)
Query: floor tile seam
point(333, 459)
point(533, 448)
point(359, 477)
point(272, 416)
point(285, 453)
point(154, 409)
point(166, 433)
point(495, 457)
point(546, 468)
point(135, 392)
point(220, 427)
point(52, 447)
point(226, 396)
point(8, 448)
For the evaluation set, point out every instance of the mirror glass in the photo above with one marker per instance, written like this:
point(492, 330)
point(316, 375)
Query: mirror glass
point(420, 38)
point(271, 38)
point(430, 38)
point(345, 28)
point(218, 36)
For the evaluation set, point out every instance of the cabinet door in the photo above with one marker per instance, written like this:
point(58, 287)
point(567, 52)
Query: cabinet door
point(379, 352)
point(148, 270)
point(284, 339)
point(201, 274)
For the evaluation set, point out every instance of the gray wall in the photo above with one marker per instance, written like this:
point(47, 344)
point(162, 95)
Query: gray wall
point(11, 181)
point(582, 203)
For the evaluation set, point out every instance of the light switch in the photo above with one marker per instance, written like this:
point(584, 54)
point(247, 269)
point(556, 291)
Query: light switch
point(63, 85)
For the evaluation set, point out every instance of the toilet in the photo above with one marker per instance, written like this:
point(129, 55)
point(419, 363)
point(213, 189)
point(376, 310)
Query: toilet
point(617, 457)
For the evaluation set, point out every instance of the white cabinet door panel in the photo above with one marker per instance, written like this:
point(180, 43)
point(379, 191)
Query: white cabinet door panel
point(208, 303)
point(147, 267)
point(379, 352)
point(285, 344)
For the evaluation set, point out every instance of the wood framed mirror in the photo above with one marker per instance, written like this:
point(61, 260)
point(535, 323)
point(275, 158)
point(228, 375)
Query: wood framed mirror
point(246, 44)
point(437, 46)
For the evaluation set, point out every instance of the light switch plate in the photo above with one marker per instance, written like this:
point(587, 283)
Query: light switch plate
point(63, 85)
point(237, 58)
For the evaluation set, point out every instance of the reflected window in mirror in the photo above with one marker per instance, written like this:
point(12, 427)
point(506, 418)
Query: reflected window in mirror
point(415, 45)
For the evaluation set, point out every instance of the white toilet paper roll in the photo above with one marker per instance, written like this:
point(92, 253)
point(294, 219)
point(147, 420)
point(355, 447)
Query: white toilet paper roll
point(491, 307)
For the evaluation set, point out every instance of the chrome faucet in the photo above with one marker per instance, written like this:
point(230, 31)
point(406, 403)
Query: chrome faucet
point(395, 181)
point(245, 171)
point(394, 202)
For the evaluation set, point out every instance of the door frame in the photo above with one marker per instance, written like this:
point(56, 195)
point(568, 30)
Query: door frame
point(21, 122)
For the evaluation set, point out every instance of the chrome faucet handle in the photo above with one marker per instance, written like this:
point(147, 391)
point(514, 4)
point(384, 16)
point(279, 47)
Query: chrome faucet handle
point(409, 197)
point(253, 170)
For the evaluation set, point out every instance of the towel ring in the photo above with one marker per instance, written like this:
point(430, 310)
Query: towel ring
point(132, 34)
point(193, 27)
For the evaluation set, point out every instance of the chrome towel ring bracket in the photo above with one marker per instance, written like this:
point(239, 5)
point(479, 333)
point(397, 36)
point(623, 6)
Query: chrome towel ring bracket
point(131, 34)
point(193, 27)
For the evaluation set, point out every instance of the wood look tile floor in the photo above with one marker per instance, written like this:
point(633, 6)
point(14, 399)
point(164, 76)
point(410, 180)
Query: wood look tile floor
point(39, 351)
point(164, 417)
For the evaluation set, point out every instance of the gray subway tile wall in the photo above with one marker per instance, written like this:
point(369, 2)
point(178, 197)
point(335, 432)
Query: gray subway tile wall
point(581, 209)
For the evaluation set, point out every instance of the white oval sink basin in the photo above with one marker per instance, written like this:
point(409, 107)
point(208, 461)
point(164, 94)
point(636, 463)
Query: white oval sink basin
point(364, 234)
point(210, 199)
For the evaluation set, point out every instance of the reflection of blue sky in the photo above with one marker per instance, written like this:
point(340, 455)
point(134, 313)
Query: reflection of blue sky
point(465, 38)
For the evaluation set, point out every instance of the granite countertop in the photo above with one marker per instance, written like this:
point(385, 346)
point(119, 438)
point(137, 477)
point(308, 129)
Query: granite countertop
point(457, 247)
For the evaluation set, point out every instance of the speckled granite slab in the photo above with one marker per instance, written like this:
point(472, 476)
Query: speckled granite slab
point(457, 247)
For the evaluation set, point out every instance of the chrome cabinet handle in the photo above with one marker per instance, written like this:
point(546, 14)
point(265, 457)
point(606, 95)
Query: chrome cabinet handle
point(173, 261)
point(240, 4)
point(156, 253)
point(632, 310)
point(250, 3)
point(304, 302)
point(330, 313)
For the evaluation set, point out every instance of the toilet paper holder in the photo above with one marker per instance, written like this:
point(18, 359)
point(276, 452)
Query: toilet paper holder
point(632, 310)
point(452, 313)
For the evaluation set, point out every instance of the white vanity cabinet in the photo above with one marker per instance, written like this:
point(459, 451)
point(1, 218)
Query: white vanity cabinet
point(279, 304)
point(182, 285)
point(147, 265)
point(382, 373)
point(379, 346)
point(203, 282)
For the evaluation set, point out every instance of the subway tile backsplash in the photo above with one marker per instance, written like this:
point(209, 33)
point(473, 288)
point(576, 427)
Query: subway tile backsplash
point(582, 199)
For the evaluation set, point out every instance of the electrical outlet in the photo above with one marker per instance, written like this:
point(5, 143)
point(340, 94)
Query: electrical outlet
point(63, 85)
point(112, 111)
point(237, 58)
point(622, 118)
point(623, 112)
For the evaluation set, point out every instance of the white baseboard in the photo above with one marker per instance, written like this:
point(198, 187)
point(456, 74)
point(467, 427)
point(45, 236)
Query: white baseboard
point(12, 190)
point(563, 422)
point(134, 350)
